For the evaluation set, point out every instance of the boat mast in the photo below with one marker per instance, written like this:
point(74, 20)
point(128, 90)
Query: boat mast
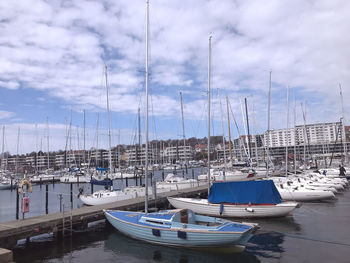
point(109, 125)
point(295, 137)
point(247, 119)
point(84, 123)
point(343, 124)
point(48, 143)
point(97, 128)
point(229, 128)
point(268, 126)
point(138, 152)
point(223, 135)
point(17, 151)
point(3, 149)
point(287, 133)
point(183, 128)
point(209, 64)
point(146, 134)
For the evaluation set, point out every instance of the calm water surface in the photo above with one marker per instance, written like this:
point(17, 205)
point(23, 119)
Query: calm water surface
point(317, 232)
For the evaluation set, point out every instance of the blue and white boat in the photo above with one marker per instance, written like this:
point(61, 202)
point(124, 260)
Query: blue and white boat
point(182, 228)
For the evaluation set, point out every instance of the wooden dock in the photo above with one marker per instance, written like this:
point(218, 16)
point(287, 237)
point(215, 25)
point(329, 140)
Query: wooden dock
point(11, 232)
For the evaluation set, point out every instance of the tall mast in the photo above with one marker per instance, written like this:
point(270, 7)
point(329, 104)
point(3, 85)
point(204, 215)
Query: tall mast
point(305, 132)
point(255, 135)
point(295, 137)
point(97, 129)
point(343, 124)
point(268, 125)
point(139, 154)
point(229, 128)
point(146, 134)
point(119, 159)
point(183, 127)
point(17, 151)
point(48, 143)
point(109, 124)
point(223, 134)
point(287, 133)
point(247, 119)
point(209, 73)
point(84, 123)
point(3, 149)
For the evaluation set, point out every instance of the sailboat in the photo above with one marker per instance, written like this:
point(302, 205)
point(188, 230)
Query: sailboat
point(181, 227)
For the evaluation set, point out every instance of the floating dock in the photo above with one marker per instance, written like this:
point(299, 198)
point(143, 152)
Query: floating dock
point(59, 223)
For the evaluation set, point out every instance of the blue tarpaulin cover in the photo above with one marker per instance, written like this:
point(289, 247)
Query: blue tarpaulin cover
point(101, 169)
point(102, 182)
point(253, 192)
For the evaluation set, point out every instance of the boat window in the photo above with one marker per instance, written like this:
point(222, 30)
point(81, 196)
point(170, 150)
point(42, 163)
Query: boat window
point(155, 222)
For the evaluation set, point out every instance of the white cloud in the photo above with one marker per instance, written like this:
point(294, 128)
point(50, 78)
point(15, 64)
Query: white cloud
point(60, 47)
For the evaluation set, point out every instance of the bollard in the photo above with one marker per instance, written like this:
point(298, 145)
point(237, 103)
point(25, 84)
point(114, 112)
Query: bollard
point(175, 169)
point(183, 173)
point(186, 168)
point(17, 205)
point(151, 178)
point(41, 182)
point(141, 179)
point(60, 197)
point(192, 174)
point(163, 175)
point(53, 181)
point(126, 182)
point(71, 195)
point(47, 198)
point(11, 184)
point(78, 179)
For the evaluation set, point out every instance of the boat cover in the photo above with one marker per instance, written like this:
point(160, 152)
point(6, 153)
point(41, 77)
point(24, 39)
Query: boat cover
point(101, 169)
point(245, 192)
point(102, 182)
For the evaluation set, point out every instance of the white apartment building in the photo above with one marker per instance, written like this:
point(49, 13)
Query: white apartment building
point(178, 153)
point(319, 133)
point(136, 156)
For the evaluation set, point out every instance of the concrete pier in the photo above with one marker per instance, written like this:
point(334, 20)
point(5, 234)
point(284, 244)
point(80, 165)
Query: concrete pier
point(11, 232)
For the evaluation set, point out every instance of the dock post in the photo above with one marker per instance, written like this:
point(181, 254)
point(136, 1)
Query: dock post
point(163, 175)
point(183, 173)
point(141, 179)
point(53, 181)
point(186, 168)
point(78, 180)
point(41, 182)
point(192, 174)
point(126, 182)
point(11, 184)
point(175, 169)
point(151, 178)
point(17, 205)
point(71, 195)
point(47, 199)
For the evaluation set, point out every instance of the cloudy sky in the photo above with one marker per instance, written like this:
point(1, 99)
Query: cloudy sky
point(53, 54)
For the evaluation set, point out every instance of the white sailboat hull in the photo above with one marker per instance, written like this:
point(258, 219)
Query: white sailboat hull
point(202, 206)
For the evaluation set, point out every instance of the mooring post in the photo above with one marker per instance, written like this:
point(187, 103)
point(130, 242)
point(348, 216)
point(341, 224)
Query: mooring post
point(183, 173)
point(60, 197)
point(151, 178)
point(71, 195)
point(91, 184)
point(186, 168)
point(141, 179)
point(41, 182)
point(78, 179)
point(192, 173)
point(17, 205)
point(126, 182)
point(163, 175)
point(47, 199)
point(53, 181)
point(11, 184)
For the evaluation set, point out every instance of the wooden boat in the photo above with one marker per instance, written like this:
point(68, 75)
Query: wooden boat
point(248, 199)
point(181, 228)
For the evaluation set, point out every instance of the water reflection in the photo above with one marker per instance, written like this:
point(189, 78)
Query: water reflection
point(121, 245)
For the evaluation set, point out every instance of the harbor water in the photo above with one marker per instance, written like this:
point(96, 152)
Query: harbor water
point(316, 232)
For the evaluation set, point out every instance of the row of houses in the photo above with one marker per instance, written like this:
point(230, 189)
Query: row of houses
point(322, 138)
